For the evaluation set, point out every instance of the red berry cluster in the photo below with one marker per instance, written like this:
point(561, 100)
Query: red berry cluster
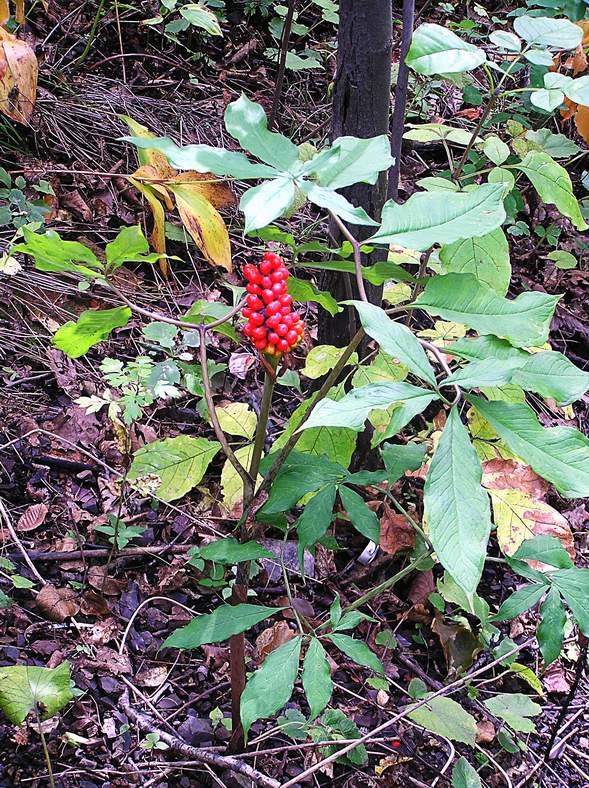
point(271, 324)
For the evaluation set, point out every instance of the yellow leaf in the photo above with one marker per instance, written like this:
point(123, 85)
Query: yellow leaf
point(232, 484)
point(4, 12)
point(582, 122)
point(518, 516)
point(212, 189)
point(204, 223)
point(18, 78)
point(149, 156)
point(148, 175)
point(19, 14)
point(158, 234)
point(237, 418)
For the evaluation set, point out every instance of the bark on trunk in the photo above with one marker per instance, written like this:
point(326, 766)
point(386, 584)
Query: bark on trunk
point(361, 108)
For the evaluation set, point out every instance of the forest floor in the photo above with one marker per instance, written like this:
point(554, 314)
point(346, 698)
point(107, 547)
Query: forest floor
point(55, 456)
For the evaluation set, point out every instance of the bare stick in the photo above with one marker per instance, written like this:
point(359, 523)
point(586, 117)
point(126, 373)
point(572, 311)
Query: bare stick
point(195, 753)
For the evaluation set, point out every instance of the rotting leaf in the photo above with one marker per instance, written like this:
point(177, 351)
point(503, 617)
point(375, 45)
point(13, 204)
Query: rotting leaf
point(57, 604)
point(18, 78)
point(396, 532)
point(32, 517)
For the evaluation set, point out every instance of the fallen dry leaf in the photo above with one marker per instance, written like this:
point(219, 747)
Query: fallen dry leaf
point(152, 677)
point(93, 604)
point(110, 660)
point(422, 586)
point(396, 533)
point(57, 604)
point(459, 644)
point(240, 364)
point(485, 732)
point(99, 580)
point(555, 680)
point(271, 638)
point(18, 78)
point(32, 517)
point(582, 122)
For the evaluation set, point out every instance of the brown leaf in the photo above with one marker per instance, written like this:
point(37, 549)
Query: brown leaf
point(582, 122)
point(485, 732)
point(99, 580)
point(110, 660)
point(18, 78)
point(577, 62)
point(57, 604)
point(93, 604)
point(32, 517)
point(458, 643)
point(152, 677)
point(396, 533)
point(502, 474)
point(422, 586)
point(240, 364)
point(271, 638)
point(554, 679)
point(4, 12)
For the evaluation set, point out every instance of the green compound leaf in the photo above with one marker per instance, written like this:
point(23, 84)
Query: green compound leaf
point(221, 624)
point(270, 688)
point(362, 518)
point(551, 627)
point(24, 689)
point(52, 254)
point(315, 519)
point(520, 601)
point(317, 681)
point(92, 327)
point(351, 160)
point(437, 50)
point(357, 651)
point(524, 321)
point(559, 454)
point(429, 218)
point(456, 506)
point(179, 463)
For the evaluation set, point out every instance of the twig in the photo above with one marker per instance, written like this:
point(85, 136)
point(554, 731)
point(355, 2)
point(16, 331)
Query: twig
point(580, 666)
point(89, 553)
point(284, 41)
point(202, 756)
point(14, 536)
point(400, 107)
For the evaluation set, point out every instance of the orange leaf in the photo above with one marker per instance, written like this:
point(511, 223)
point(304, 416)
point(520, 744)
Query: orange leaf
point(582, 122)
point(571, 108)
point(212, 189)
point(18, 78)
point(584, 25)
point(396, 532)
point(4, 12)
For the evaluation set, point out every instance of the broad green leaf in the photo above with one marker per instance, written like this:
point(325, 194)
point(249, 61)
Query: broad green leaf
point(300, 474)
point(399, 458)
point(204, 223)
point(558, 146)
point(446, 717)
point(437, 50)
point(577, 90)
point(271, 686)
point(303, 291)
point(573, 584)
point(221, 624)
point(237, 418)
point(515, 710)
point(175, 464)
point(441, 217)
point(471, 603)
point(563, 260)
point(456, 506)
point(351, 160)
point(494, 372)
point(230, 551)
point(205, 158)
point(505, 40)
point(547, 31)
point(247, 122)
point(464, 776)
point(200, 16)
point(335, 443)
point(395, 339)
point(362, 518)
point(336, 203)
point(431, 184)
point(323, 358)
point(486, 347)
point(315, 519)
point(495, 149)
point(262, 204)
point(486, 257)
point(357, 651)
point(317, 681)
point(552, 375)
point(434, 132)
point(520, 601)
point(25, 689)
point(53, 254)
point(354, 408)
point(524, 321)
point(130, 246)
point(91, 327)
point(553, 184)
point(382, 369)
point(551, 627)
point(203, 311)
point(547, 100)
point(559, 454)
point(503, 176)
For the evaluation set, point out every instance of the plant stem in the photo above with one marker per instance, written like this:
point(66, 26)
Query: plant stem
point(356, 246)
point(92, 34)
point(45, 752)
point(260, 439)
point(400, 108)
point(282, 62)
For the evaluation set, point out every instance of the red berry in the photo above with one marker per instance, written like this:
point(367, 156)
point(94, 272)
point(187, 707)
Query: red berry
point(247, 329)
point(274, 320)
point(246, 312)
point(260, 344)
point(251, 273)
point(266, 267)
point(285, 310)
point(282, 345)
point(266, 282)
point(254, 302)
point(282, 330)
point(292, 337)
point(257, 319)
point(273, 307)
point(276, 276)
point(259, 332)
point(273, 337)
point(285, 300)
point(299, 328)
point(287, 320)
point(274, 258)
point(255, 289)
point(278, 288)
point(268, 296)
point(296, 317)
point(271, 350)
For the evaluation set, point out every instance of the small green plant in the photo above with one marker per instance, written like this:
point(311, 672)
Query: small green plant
point(16, 209)
point(152, 741)
point(119, 534)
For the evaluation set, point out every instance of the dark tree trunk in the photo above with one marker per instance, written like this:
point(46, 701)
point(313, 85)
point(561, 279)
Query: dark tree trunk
point(361, 108)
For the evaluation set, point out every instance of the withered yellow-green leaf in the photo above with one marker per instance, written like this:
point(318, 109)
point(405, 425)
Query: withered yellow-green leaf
point(149, 156)
point(204, 223)
point(237, 418)
point(231, 481)
point(18, 78)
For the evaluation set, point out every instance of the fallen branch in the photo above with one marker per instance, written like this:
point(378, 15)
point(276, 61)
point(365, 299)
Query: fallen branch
point(195, 753)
